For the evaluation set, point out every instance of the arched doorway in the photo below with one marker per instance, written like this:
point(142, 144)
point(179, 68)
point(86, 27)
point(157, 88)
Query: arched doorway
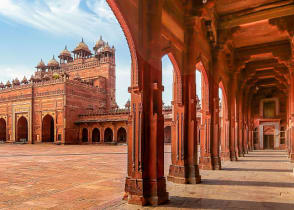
point(122, 135)
point(108, 135)
point(96, 135)
point(22, 130)
point(167, 134)
point(85, 135)
point(48, 129)
point(2, 130)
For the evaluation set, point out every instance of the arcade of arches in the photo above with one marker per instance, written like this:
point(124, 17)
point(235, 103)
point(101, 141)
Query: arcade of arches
point(254, 73)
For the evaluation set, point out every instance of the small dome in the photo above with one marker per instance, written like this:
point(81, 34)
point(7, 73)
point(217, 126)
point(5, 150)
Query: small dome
point(65, 53)
point(99, 43)
point(53, 63)
point(8, 84)
point(107, 48)
point(2, 85)
point(82, 46)
point(24, 80)
point(16, 82)
point(41, 65)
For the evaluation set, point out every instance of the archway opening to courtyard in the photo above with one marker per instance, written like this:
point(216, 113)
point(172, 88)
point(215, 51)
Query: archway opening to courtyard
point(171, 97)
point(48, 129)
point(85, 136)
point(95, 135)
point(122, 135)
point(223, 123)
point(22, 130)
point(2, 130)
point(167, 134)
point(108, 135)
point(202, 112)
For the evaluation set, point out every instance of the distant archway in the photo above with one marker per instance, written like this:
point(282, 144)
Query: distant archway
point(85, 135)
point(48, 129)
point(122, 135)
point(167, 134)
point(22, 130)
point(2, 130)
point(223, 122)
point(96, 135)
point(108, 135)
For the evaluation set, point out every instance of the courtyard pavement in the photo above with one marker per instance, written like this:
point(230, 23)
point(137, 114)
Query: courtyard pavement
point(48, 176)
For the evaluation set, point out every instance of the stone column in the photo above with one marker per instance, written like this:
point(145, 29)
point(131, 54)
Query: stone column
point(90, 129)
point(184, 168)
point(114, 134)
point(232, 112)
point(240, 129)
point(102, 135)
point(215, 137)
point(291, 126)
point(145, 183)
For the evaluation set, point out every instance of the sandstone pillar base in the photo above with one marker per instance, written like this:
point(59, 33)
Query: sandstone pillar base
point(184, 174)
point(216, 163)
point(233, 156)
point(291, 156)
point(225, 156)
point(205, 163)
point(241, 154)
point(145, 191)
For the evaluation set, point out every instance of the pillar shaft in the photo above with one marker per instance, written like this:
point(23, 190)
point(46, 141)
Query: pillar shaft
point(145, 183)
point(184, 168)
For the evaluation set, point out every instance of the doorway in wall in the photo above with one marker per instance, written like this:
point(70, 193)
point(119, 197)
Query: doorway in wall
point(268, 141)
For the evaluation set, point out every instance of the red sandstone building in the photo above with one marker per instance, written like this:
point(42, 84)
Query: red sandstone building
point(69, 102)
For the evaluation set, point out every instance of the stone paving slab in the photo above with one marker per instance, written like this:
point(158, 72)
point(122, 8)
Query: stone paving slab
point(92, 177)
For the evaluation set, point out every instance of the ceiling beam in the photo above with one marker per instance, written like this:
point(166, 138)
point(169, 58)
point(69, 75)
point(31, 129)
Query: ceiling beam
point(265, 14)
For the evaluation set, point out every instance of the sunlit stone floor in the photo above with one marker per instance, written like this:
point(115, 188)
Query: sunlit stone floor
point(92, 177)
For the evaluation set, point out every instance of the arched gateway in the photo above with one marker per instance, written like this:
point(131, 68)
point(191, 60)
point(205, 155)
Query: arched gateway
point(96, 135)
point(22, 130)
point(108, 135)
point(85, 135)
point(48, 129)
point(2, 130)
point(122, 135)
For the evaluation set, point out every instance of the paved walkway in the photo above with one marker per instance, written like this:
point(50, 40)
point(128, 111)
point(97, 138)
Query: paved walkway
point(261, 180)
point(92, 177)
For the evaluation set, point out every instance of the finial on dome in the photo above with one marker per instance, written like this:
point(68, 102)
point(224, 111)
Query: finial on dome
point(82, 39)
point(65, 47)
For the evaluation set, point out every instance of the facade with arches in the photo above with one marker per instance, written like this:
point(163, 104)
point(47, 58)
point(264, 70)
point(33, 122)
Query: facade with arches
point(45, 107)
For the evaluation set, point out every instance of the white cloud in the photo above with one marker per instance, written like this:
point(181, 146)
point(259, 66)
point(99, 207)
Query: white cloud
point(62, 17)
point(15, 71)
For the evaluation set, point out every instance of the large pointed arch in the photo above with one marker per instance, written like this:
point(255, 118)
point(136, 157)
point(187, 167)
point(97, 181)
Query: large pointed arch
point(129, 37)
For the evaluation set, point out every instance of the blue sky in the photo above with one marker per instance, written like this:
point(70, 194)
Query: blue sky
point(35, 29)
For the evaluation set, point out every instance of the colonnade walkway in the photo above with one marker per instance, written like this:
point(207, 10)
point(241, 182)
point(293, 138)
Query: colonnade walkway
point(260, 180)
point(44, 176)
